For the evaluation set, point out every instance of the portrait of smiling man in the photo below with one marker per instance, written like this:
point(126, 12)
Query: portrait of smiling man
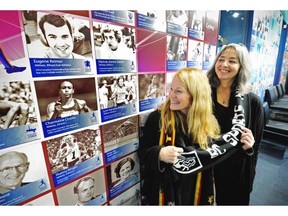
point(59, 36)
point(13, 168)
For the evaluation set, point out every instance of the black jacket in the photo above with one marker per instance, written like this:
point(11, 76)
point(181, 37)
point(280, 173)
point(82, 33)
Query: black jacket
point(234, 177)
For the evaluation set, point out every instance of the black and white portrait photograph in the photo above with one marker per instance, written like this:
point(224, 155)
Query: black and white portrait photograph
point(86, 190)
point(65, 97)
point(23, 173)
point(122, 174)
point(74, 148)
point(176, 48)
point(114, 42)
point(56, 35)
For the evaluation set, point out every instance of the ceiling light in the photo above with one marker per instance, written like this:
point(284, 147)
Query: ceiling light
point(235, 14)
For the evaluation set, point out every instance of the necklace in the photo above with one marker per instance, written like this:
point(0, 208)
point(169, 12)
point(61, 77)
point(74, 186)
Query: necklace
point(223, 100)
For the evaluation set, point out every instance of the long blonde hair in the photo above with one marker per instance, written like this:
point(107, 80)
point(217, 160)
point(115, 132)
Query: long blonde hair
point(200, 123)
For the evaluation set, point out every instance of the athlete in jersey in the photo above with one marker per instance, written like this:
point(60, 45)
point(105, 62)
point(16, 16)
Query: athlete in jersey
point(120, 93)
point(152, 88)
point(69, 151)
point(74, 110)
point(66, 105)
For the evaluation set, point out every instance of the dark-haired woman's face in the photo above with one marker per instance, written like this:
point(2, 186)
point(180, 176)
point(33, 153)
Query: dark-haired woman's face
point(227, 65)
point(125, 170)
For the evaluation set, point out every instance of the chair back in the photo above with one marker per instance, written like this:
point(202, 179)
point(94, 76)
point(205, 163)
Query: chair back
point(267, 112)
point(270, 96)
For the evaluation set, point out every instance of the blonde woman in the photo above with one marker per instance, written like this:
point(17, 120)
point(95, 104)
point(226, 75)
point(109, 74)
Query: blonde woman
point(181, 143)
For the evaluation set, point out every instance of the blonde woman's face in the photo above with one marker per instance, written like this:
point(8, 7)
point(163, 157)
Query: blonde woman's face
point(180, 99)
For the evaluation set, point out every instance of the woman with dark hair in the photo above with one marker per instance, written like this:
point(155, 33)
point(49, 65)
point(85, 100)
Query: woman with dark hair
point(123, 170)
point(228, 76)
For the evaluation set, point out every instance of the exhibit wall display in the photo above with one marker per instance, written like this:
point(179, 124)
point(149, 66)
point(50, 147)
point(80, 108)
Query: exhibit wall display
point(76, 87)
point(265, 40)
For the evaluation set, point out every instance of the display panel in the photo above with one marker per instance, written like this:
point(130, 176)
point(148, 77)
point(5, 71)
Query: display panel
point(82, 99)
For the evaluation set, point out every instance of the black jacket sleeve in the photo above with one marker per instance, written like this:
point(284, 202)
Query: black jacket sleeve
point(149, 148)
point(194, 160)
point(256, 125)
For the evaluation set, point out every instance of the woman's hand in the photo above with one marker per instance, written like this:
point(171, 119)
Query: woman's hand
point(247, 138)
point(169, 154)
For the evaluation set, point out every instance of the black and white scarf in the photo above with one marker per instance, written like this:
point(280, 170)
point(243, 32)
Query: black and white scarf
point(194, 160)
